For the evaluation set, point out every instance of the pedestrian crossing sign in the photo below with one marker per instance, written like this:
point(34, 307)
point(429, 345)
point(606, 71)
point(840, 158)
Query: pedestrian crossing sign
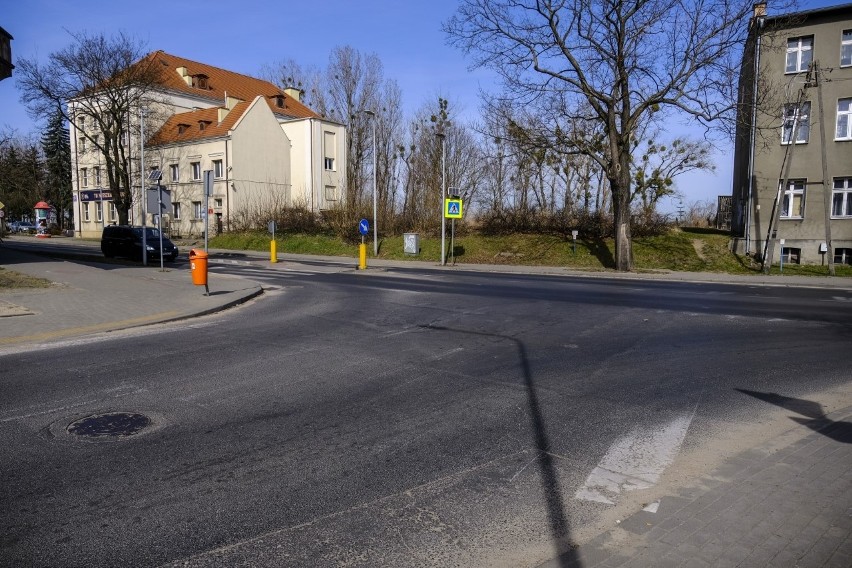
point(453, 208)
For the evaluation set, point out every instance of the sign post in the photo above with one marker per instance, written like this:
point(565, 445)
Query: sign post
point(453, 210)
point(273, 250)
point(363, 228)
point(208, 190)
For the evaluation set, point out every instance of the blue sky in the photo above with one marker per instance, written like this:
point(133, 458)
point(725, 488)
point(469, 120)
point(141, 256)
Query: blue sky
point(244, 36)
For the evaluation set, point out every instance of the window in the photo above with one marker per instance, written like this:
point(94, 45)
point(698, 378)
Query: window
point(217, 202)
point(81, 123)
point(82, 145)
point(844, 120)
point(794, 200)
point(798, 118)
point(843, 256)
point(84, 177)
point(200, 81)
point(196, 170)
point(176, 210)
point(791, 255)
point(86, 211)
point(113, 211)
point(217, 169)
point(197, 211)
point(97, 173)
point(799, 53)
point(846, 48)
point(841, 198)
point(329, 150)
point(99, 211)
point(174, 172)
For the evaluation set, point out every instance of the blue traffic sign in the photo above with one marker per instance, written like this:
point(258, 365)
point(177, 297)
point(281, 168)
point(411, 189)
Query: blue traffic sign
point(364, 227)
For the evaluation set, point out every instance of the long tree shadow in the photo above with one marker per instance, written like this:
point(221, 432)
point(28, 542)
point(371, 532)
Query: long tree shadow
point(600, 250)
point(814, 415)
point(556, 512)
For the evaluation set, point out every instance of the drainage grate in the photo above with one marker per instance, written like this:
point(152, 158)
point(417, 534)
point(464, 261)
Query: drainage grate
point(110, 425)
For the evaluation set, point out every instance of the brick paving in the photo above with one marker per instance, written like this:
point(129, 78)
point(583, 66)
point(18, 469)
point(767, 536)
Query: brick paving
point(780, 504)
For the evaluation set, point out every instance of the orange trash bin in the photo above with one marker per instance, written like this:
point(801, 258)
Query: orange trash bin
point(198, 264)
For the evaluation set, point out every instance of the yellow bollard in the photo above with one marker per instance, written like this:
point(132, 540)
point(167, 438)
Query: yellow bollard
point(273, 252)
point(362, 256)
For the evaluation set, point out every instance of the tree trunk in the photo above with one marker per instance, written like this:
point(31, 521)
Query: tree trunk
point(619, 183)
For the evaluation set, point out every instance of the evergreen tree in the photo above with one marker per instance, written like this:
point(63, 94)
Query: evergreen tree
point(56, 145)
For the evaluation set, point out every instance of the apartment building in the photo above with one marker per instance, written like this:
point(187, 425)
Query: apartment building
point(263, 147)
point(792, 181)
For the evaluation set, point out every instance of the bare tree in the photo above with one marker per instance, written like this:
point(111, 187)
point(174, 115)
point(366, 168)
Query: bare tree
point(101, 80)
point(614, 64)
point(351, 86)
point(657, 166)
point(288, 73)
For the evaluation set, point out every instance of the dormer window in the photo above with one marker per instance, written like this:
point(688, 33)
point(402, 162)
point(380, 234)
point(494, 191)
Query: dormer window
point(182, 128)
point(202, 124)
point(200, 81)
point(279, 101)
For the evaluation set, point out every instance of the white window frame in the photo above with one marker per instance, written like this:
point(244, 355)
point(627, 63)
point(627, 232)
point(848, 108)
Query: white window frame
point(96, 171)
point(217, 202)
point(795, 188)
point(843, 116)
point(794, 113)
point(801, 50)
point(197, 210)
point(176, 210)
point(82, 145)
point(84, 177)
point(846, 48)
point(174, 172)
point(99, 211)
point(218, 169)
point(841, 198)
point(113, 211)
point(86, 217)
point(196, 170)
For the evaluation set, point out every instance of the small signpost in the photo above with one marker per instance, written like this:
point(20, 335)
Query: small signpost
point(364, 229)
point(574, 238)
point(273, 247)
point(453, 210)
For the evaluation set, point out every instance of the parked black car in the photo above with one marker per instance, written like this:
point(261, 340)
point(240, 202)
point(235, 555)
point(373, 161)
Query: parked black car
point(126, 241)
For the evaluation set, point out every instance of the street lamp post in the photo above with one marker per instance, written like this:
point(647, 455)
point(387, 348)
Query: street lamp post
point(372, 115)
point(441, 135)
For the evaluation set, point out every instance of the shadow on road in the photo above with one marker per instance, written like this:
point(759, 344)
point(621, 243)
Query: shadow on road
point(556, 512)
point(814, 415)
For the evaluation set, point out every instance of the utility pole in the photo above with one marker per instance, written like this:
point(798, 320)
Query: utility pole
point(826, 186)
point(769, 246)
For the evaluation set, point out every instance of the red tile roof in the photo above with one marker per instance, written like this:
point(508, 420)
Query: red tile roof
point(220, 82)
point(186, 126)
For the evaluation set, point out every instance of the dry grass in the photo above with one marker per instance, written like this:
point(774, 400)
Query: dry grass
point(11, 279)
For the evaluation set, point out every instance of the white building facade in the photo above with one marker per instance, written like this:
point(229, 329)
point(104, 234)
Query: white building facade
point(264, 148)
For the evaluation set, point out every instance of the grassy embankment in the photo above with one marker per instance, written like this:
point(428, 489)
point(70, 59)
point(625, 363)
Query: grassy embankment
point(688, 250)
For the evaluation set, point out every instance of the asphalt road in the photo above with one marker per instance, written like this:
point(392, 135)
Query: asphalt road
point(390, 418)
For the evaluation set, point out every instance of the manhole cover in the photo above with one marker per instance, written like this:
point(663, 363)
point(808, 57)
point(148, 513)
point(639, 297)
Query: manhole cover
point(110, 425)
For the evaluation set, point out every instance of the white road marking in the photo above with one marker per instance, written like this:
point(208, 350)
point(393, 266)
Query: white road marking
point(635, 461)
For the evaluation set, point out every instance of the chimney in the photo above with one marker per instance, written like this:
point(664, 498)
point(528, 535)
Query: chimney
point(184, 74)
point(294, 93)
point(759, 9)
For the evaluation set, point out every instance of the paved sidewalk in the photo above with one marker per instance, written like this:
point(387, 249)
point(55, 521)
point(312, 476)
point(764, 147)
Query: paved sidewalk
point(784, 503)
point(93, 297)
